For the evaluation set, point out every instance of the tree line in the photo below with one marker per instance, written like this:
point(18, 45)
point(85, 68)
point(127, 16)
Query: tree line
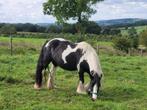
point(88, 27)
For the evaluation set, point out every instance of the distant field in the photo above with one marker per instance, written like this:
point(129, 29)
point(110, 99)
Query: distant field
point(138, 29)
point(123, 86)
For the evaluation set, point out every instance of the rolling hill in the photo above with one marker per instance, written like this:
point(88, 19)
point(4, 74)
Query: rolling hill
point(113, 22)
point(123, 22)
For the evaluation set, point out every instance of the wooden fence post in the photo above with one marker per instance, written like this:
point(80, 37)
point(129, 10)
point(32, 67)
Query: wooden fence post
point(141, 52)
point(129, 51)
point(97, 48)
point(11, 45)
point(142, 49)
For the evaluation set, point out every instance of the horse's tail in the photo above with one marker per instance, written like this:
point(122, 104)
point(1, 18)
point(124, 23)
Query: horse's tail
point(41, 64)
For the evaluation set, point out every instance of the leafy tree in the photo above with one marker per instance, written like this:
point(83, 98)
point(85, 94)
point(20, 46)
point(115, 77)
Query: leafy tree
point(91, 27)
point(29, 28)
point(53, 29)
point(133, 36)
point(115, 32)
point(2, 24)
point(143, 38)
point(106, 31)
point(69, 28)
point(63, 10)
point(122, 43)
point(7, 29)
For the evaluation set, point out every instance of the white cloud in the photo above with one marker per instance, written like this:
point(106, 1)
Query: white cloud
point(113, 9)
point(31, 10)
point(23, 11)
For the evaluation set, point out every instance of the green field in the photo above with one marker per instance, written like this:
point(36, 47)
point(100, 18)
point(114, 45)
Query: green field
point(124, 86)
point(138, 29)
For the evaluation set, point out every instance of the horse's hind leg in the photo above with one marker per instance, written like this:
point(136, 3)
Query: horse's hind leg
point(50, 82)
point(80, 88)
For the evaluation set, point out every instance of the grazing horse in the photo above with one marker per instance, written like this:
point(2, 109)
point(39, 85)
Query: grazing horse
point(70, 56)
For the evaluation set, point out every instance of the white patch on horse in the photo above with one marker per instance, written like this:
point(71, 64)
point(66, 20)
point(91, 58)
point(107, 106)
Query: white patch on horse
point(94, 93)
point(66, 52)
point(91, 57)
point(60, 39)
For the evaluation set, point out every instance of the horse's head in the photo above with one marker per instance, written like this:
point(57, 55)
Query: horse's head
point(95, 85)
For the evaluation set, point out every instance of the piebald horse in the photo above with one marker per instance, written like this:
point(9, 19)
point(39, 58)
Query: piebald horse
point(70, 56)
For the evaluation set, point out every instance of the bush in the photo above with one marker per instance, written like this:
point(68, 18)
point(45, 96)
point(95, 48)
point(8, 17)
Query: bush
point(143, 38)
point(8, 29)
point(122, 43)
point(133, 36)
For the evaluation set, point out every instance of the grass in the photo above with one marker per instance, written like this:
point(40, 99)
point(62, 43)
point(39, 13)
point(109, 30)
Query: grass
point(123, 85)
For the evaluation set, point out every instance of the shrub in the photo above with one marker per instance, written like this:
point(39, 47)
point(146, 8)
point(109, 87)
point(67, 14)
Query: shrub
point(122, 43)
point(8, 29)
point(143, 38)
point(133, 36)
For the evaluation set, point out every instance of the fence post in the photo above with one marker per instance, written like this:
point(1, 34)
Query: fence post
point(129, 53)
point(141, 52)
point(11, 45)
point(97, 48)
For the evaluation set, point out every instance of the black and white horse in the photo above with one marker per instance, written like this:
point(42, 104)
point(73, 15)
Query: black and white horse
point(70, 56)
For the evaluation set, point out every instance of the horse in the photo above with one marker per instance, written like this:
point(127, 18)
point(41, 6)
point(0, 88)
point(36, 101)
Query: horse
point(70, 56)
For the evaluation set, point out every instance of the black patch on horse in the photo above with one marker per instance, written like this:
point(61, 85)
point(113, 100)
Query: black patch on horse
point(84, 66)
point(72, 60)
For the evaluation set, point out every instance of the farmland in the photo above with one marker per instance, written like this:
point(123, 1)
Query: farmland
point(138, 29)
point(123, 86)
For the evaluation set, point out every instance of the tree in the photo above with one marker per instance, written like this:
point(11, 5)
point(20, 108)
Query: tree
point(143, 38)
point(91, 27)
point(69, 28)
point(53, 29)
point(106, 31)
point(122, 43)
point(133, 36)
point(63, 10)
point(8, 29)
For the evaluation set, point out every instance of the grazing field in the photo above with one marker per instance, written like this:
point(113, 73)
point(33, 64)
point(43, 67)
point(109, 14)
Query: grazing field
point(138, 29)
point(124, 86)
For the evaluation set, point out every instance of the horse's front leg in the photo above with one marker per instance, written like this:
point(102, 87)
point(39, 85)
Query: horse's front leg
point(87, 86)
point(50, 82)
point(80, 88)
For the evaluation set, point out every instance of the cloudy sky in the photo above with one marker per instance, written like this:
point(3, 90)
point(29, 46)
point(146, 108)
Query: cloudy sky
point(22, 11)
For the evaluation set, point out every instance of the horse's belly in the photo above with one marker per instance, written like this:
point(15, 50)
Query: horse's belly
point(69, 65)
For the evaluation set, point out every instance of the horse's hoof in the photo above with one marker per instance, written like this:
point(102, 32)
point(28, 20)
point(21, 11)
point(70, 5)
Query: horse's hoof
point(81, 89)
point(50, 87)
point(37, 87)
point(82, 92)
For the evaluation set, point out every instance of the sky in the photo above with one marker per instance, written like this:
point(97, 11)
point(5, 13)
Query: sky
point(23, 11)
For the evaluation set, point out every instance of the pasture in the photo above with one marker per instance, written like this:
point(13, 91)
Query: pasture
point(124, 86)
point(139, 29)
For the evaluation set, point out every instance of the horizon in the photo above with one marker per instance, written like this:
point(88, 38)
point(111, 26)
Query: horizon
point(106, 10)
point(71, 23)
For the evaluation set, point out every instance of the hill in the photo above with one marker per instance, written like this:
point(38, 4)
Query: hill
point(114, 22)
point(123, 22)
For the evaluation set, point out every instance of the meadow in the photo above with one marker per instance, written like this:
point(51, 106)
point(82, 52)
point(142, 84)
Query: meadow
point(124, 86)
point(139, 29)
